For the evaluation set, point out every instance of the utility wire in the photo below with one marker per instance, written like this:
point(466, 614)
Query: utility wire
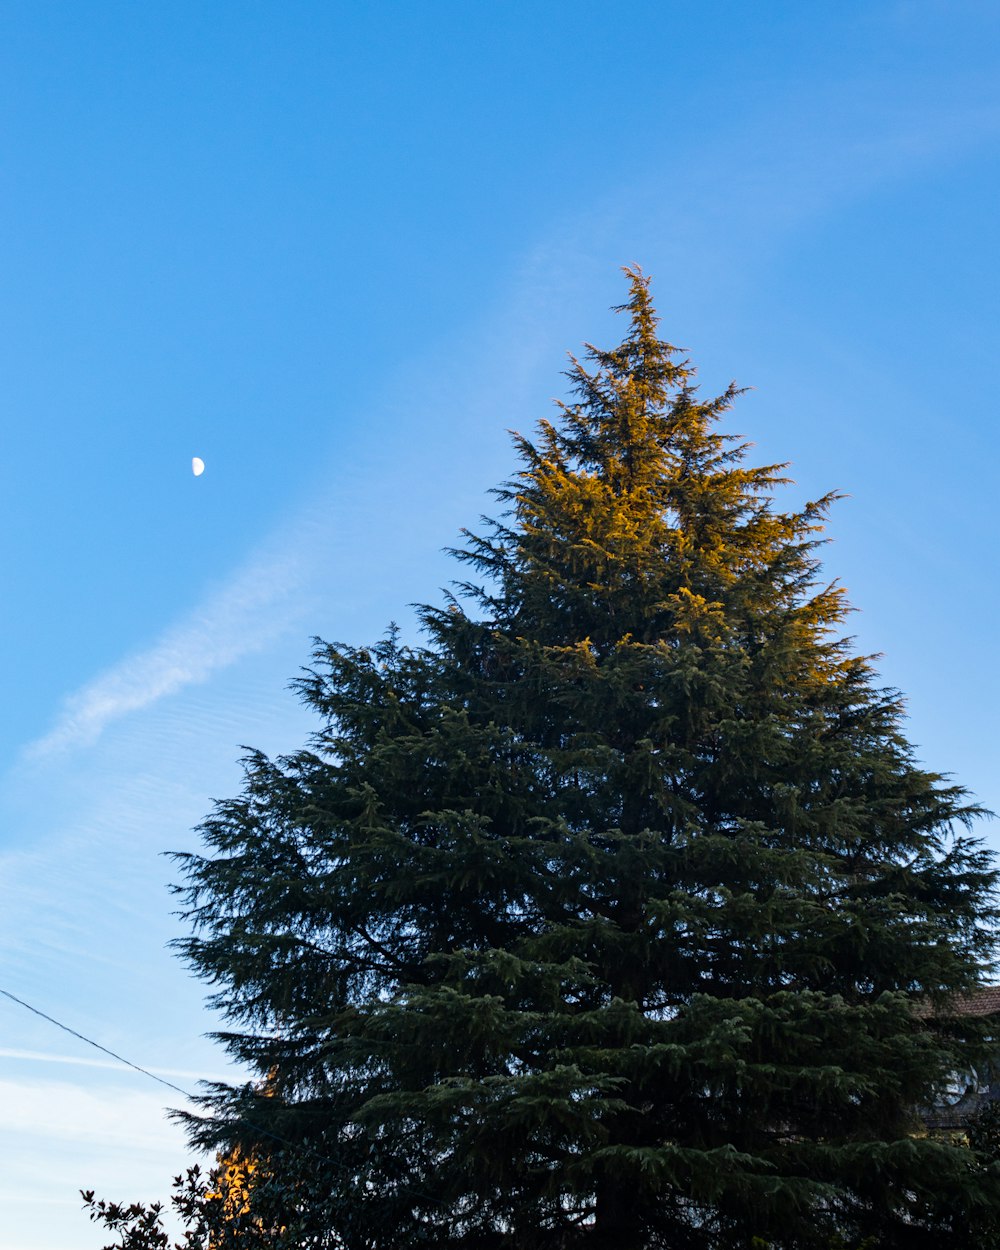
point(259, 1128)
point(97, 1046)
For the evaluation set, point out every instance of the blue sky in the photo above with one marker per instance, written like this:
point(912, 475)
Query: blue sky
point(337, 250)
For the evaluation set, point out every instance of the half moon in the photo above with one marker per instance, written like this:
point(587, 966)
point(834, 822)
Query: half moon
point(197, 466)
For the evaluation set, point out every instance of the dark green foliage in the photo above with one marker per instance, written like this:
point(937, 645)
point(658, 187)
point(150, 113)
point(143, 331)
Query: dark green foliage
point(984, 1132)
point(598, 920)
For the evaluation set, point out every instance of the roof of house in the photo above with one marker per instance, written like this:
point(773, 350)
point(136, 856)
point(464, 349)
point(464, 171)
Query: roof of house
point(984, 1001)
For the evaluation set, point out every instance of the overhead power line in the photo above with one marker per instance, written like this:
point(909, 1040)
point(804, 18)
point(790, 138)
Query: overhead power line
point(97, 1045)
point(257, 1128)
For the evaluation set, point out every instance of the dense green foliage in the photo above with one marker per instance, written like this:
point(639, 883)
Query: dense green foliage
point(598, 919)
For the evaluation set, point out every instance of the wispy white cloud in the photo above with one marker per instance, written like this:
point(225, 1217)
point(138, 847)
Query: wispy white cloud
point(77, 1061)
point(256, 604)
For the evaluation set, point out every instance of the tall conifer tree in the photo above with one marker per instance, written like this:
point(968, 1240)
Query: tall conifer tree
point(600, 919)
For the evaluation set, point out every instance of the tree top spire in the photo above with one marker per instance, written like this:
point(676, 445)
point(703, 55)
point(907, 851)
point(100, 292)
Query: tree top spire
point(639, 305)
